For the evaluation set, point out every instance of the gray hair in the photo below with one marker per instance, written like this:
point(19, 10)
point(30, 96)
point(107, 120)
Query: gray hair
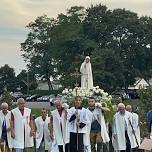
point(20, 99)
point(4, 104)
point(121, 105)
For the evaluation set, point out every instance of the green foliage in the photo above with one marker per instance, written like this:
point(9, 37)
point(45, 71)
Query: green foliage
point(26, 79)
point(7, 78)
point(6, 97)
point(118, 41)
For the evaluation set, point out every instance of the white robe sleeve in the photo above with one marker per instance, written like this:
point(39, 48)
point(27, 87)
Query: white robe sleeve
point(84, 117)
point(71, 111)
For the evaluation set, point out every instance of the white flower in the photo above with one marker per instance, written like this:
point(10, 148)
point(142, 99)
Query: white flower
point(101, 91)
point(97, 87)
point(70, 90)
point(66, 91)
point(97, 91)
point(63, 92)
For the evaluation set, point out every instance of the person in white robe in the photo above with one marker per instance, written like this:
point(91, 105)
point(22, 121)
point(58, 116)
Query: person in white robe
point(86, 74)
point(123, 137)
point(5, 130)
point(136, 126)
point(58, 126)
point(97, 133)
point(78, 120)
point(43, 132)
point(22, 127)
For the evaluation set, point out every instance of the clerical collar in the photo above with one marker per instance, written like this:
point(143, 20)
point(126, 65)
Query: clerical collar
point(91, 108)
point(78, 107)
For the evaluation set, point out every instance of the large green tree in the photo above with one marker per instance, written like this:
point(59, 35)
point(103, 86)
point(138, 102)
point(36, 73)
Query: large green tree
point(37, 48)
point(7, 78)
point(118, 41)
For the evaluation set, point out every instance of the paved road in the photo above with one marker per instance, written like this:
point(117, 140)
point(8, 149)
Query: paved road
point(38, 105)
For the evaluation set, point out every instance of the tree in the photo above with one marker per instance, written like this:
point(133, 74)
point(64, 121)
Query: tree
point(26, 81)
point(71, 44)
point(7, 78)
point(37, 48)
point(6, 97)
point(118, 41)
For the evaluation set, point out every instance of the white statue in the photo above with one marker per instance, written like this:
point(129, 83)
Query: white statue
point(86, 74)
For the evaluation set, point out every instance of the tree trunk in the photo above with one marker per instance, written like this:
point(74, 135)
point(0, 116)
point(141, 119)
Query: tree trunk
point(49, 84)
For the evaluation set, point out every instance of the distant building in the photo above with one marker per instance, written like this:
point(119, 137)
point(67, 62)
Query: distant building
point(150, 82)
point(139, 84)
point(43, 85)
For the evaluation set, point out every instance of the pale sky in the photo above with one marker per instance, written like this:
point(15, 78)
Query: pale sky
point(16, 14)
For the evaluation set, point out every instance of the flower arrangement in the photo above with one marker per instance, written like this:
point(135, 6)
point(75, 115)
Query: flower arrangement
point(99, 94)
point(102, 98)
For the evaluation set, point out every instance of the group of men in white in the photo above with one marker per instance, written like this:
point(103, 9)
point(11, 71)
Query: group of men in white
point(75, 129)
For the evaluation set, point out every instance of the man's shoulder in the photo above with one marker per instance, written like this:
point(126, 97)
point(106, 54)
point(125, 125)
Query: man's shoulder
point(38, 118)
point(27, 109)
point(13, 110)
point(116, 114)
point(53, 111)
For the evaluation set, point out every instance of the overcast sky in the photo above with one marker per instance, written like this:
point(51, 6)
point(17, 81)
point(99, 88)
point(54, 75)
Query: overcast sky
point(16, 14)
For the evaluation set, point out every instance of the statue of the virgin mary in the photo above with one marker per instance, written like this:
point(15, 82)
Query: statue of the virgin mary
point(86, 74)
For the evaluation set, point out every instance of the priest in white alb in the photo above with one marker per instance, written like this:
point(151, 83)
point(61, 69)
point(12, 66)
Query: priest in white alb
point(43, 132)
point(5, 130)
point(78, 121)
point(123, 137)
point(22, 127)
point(86, 74)
point(58, 126)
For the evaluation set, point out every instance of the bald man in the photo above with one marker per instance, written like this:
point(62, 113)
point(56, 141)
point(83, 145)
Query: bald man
point(135, 123)
point(122, 132)
point(22, 127)
point(5, 131)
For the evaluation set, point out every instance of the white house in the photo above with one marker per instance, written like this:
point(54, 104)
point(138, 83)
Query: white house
point(139, 84)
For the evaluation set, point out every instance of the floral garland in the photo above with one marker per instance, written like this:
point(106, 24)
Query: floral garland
point(99, 94)
point(102, 98)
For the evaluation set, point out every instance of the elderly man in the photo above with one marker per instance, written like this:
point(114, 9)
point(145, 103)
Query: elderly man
point(58, 126)
point(135, 124)
point(42, 131)
point(5, 131)
point(124, 140)
point(22, 127)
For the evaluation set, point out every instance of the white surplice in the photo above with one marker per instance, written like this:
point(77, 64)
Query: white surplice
point(83, 118)
point(7, 119)
point(120, 125)
point(42, 132)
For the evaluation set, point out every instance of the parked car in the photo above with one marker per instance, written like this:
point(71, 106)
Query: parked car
point(43, 99)
point(17, 95)
point(33, 98)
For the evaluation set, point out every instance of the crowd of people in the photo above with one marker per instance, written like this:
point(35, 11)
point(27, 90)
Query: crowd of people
point(75, 129)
